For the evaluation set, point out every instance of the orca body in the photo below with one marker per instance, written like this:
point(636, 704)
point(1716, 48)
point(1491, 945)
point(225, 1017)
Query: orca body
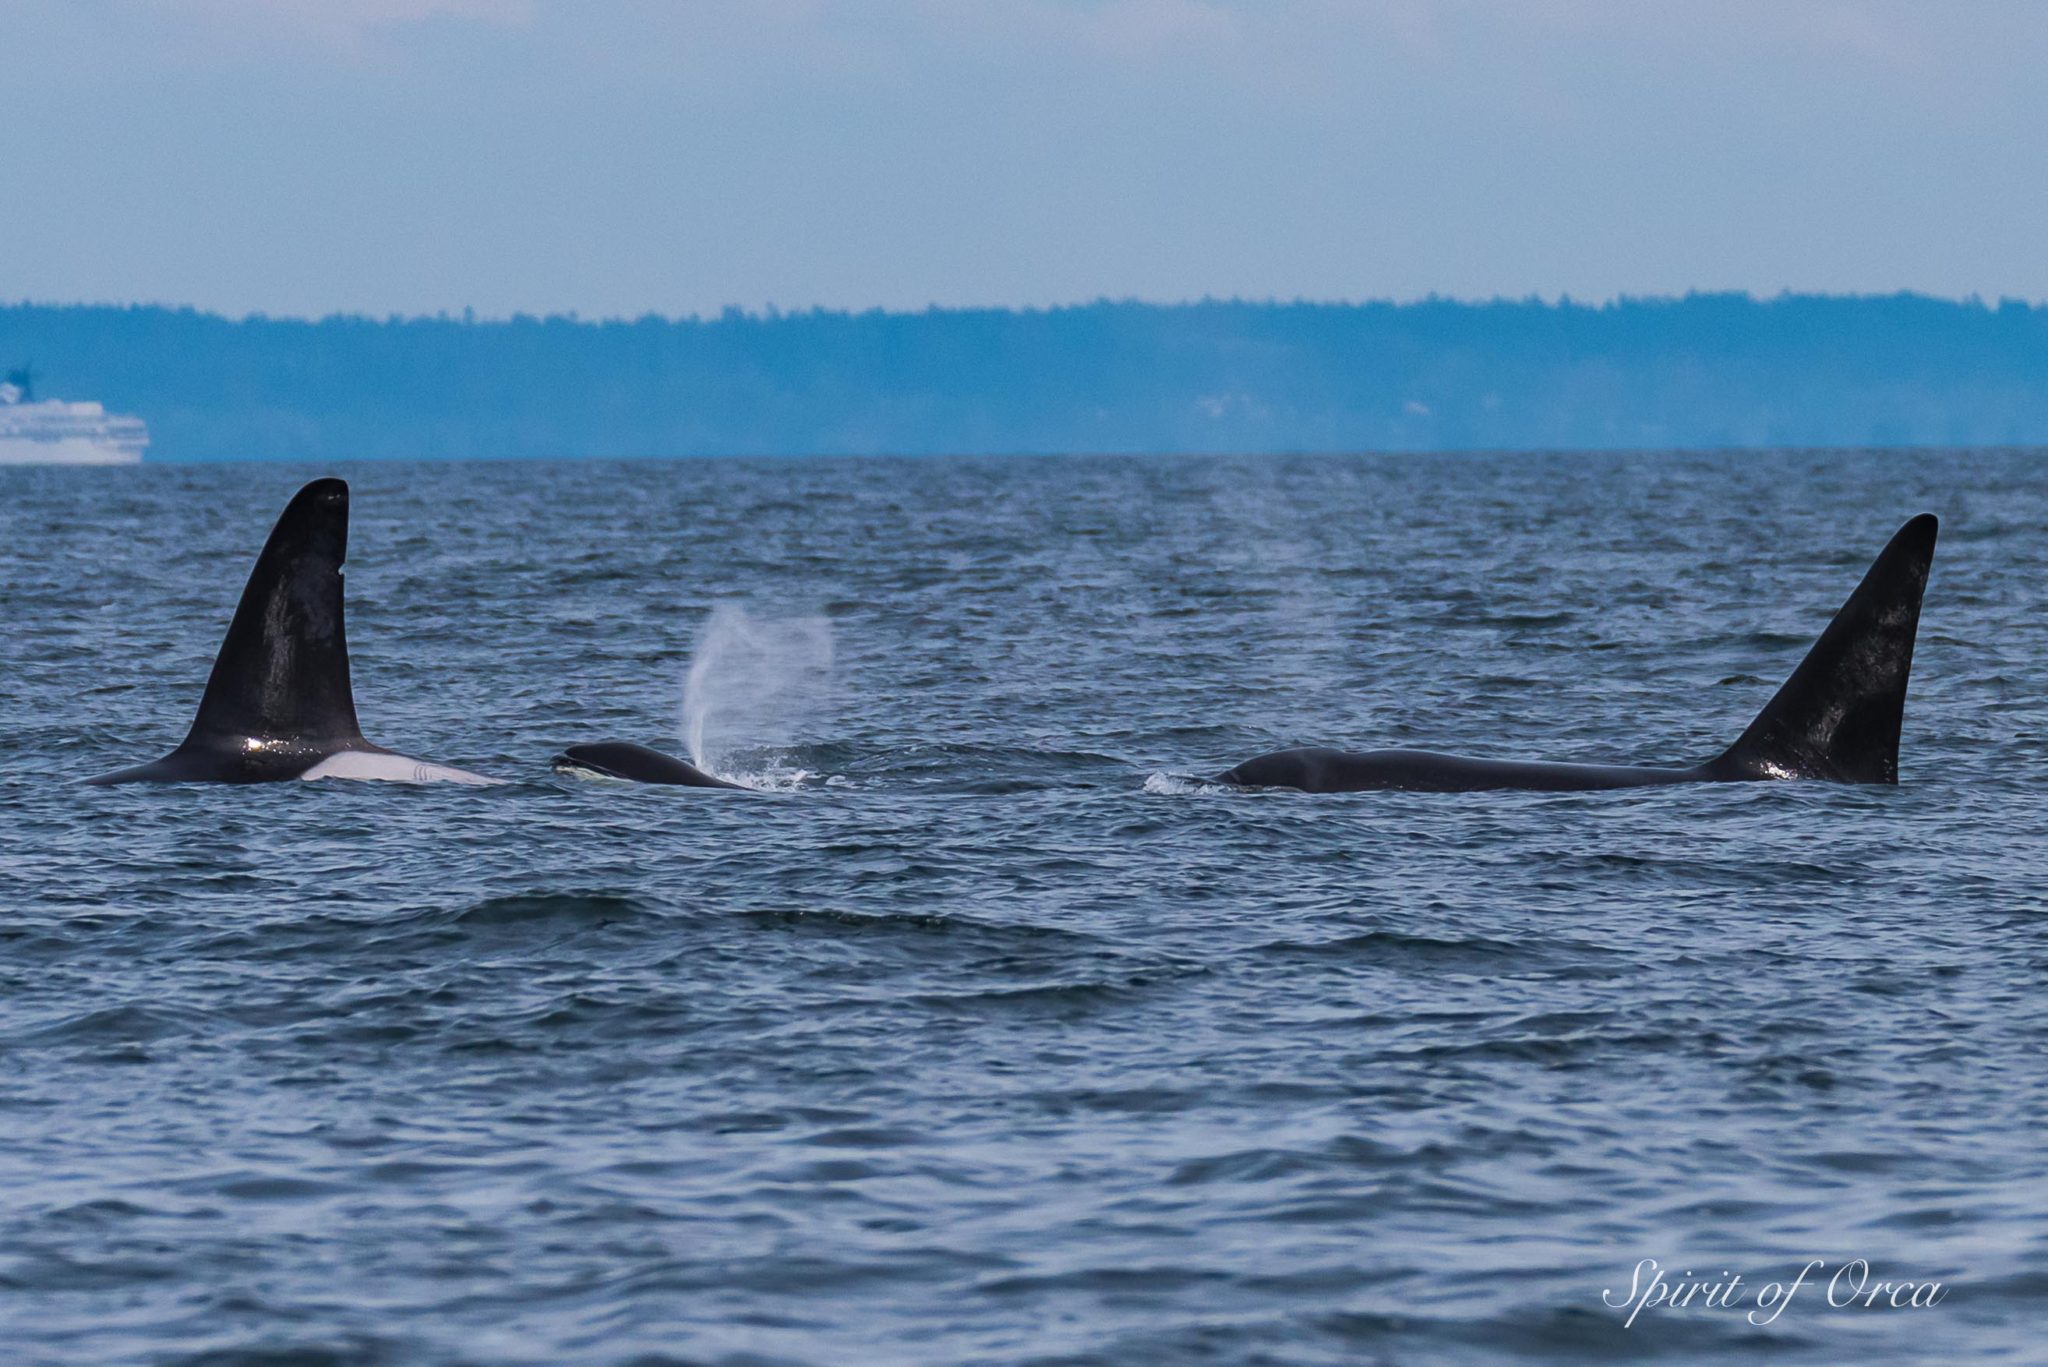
point(278, 704)
point(636, 764)
point(1836, 719)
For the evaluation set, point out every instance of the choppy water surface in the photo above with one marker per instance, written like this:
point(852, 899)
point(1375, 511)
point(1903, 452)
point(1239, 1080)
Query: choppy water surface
point(988, 1037)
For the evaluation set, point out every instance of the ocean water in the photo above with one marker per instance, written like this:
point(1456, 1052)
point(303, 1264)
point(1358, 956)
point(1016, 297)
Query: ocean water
point(989, 1034)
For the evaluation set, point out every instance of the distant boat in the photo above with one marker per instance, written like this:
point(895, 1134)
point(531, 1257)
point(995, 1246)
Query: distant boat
point(53, 432)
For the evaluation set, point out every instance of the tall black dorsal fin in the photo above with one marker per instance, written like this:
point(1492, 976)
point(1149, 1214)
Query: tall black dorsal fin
point(1838, 716)
point(282, 672)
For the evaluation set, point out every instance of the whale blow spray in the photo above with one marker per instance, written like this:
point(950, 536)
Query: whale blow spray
point(753, 682)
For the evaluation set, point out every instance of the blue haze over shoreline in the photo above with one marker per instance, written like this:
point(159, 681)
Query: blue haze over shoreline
point(1702, 371)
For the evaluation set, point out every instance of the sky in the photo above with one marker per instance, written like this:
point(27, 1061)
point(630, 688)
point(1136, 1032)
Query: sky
point(622, 157)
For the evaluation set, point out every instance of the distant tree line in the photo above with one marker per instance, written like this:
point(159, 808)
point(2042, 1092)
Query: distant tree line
point(1703, 370)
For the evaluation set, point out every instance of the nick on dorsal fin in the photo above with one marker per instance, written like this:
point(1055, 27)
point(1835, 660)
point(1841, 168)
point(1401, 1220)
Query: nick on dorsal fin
point(278, 703)
point(1838, 716)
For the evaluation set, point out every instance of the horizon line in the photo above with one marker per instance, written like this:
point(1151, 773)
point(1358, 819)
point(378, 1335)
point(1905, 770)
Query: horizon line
point(771, 312)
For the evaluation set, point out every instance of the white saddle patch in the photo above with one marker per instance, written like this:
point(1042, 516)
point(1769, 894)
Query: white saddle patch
point(392, 769)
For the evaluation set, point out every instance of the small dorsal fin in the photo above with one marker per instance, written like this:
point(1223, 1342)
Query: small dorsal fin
point(1838, 716)
point(282, 672)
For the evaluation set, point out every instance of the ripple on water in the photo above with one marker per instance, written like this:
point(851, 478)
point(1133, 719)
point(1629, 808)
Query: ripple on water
point(997, 1034)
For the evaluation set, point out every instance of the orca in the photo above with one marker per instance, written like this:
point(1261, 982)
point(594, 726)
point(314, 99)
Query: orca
point(278, 704)
point(636, 764)
point(1836, 719)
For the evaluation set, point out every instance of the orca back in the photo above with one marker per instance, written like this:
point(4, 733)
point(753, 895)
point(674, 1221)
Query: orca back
point(1838, 716)
point(282, 672)
point(636, 764)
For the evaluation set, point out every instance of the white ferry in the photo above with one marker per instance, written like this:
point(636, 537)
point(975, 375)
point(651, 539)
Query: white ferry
point(53, 432)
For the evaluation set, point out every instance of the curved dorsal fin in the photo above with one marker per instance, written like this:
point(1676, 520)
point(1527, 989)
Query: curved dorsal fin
point(1838, 716)
point(282, 672)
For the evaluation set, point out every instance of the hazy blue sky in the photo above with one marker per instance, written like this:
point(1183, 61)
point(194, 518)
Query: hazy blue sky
point(623, 156)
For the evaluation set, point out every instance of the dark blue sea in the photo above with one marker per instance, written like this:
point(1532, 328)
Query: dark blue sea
point(988, 1033)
